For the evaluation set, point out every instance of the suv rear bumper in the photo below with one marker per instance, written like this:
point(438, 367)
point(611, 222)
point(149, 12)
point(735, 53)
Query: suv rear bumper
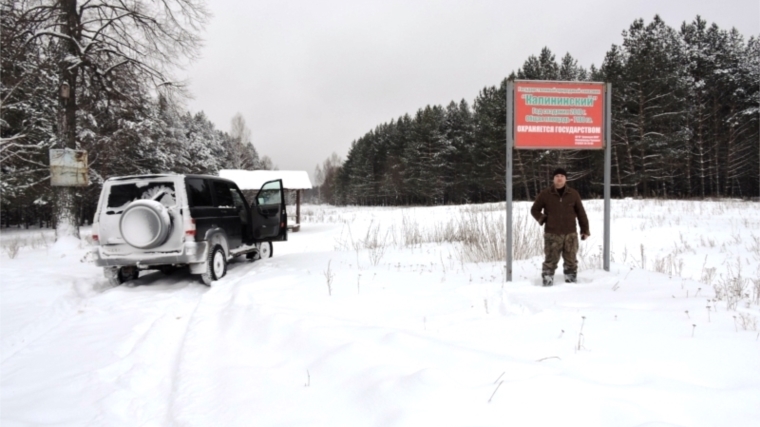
point(191, 253)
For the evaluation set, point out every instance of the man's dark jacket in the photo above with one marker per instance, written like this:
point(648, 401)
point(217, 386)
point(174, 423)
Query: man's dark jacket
point(560, 212)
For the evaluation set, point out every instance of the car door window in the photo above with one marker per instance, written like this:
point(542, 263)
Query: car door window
point(199, 192)
point(270, 194)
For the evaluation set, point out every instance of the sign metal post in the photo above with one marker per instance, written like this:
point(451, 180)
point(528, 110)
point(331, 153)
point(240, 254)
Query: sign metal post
point(510, 145)
point(607, 172)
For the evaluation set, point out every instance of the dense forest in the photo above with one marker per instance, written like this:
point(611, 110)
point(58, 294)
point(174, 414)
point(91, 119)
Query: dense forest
point(685, 106)
point(685, 110)
point(127, 116)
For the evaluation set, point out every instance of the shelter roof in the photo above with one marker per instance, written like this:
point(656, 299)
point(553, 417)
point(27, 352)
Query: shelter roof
point(254, 180)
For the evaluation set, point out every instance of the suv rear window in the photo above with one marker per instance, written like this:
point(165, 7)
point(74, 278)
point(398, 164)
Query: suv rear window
point(121, 195)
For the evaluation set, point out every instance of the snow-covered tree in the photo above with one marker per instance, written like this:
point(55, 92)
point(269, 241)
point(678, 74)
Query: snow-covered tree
point(490, 144)
point(27, 111)
point(265, 163)
point(103, 47)
point(241, 153)
point(458, 129)
point(327, 178)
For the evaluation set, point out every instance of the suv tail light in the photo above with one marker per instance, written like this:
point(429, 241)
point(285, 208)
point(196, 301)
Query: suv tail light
point(96, 233)
point(189, 230)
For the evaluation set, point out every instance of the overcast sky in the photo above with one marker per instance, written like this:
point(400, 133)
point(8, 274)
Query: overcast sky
point(311, 76)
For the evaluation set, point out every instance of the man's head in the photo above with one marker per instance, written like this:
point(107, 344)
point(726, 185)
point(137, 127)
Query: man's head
point(560, 177)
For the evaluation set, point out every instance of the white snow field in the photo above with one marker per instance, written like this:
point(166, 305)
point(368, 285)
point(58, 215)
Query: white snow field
point(399, 317)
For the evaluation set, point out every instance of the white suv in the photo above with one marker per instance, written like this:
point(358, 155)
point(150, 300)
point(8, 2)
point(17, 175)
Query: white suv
point(167, 221)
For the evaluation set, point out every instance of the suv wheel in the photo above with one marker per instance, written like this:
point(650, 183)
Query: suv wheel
point(216, 265)
point(265, 250)
point(117, 276)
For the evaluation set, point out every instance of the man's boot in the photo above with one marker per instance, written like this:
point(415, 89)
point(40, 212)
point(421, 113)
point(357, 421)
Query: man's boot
point(571, 277)
point(548, 279)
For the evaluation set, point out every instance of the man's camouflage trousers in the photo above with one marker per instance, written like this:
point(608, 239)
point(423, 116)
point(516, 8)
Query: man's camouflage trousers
point(561, 244)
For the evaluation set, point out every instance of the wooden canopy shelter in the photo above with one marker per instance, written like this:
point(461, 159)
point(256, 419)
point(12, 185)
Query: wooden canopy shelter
point(253, 181)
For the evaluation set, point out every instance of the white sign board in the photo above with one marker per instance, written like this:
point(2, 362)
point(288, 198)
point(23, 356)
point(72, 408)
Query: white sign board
point(68, 168)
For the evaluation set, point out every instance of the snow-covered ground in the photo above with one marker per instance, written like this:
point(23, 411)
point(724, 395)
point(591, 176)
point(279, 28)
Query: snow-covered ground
point(397, 317)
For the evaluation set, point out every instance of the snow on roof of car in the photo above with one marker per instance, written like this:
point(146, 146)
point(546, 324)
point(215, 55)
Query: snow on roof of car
point(254, 180)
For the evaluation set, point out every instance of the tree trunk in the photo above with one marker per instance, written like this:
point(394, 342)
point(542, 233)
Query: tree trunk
point(631, 164)
point(521, 165)
point(688, 163)
point(66, 224)
point(700, 149)
point(717, 140)
point(617, 172)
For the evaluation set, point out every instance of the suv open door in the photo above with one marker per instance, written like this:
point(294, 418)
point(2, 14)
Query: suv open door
point(269, 219)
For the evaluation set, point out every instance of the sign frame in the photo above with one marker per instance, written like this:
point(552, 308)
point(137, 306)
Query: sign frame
point(560, 117)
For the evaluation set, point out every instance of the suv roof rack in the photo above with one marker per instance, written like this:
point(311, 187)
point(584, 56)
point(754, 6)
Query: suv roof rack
point(167, 175)
point(126, 178)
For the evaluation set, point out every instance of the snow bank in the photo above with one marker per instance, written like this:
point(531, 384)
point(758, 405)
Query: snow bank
point(334, 331)
point(66, 245)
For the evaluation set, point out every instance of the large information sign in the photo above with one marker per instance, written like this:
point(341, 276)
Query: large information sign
point(559, 115)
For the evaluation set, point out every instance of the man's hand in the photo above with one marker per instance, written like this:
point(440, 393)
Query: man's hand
point(584, 236)
point(542, 220)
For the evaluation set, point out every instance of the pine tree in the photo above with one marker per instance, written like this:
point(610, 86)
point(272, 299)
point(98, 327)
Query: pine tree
point(613, 71)
point(27, 114)
point(653, 80)
point(489, 149)
point(459, 130)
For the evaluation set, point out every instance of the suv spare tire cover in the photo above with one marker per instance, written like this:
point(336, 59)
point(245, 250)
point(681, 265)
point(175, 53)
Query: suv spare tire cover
point(145, 224)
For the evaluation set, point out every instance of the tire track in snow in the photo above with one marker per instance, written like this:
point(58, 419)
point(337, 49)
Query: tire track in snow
point(62, 309)
point(136, 333)
point(144, 374)
point(197, 348)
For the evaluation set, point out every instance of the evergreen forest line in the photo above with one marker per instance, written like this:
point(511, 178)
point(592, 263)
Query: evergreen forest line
point(685, 124)
point(685, 109)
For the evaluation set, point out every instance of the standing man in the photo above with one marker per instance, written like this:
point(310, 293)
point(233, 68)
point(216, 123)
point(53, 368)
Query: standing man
point(557, 208)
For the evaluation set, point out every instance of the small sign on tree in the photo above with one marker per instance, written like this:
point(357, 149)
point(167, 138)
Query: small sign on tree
point(68, 168)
